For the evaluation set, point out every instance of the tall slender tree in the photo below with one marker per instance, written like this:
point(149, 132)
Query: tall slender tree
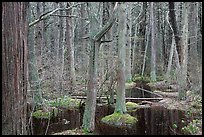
point(120, 98)
point(70, 48)
point(153, 44)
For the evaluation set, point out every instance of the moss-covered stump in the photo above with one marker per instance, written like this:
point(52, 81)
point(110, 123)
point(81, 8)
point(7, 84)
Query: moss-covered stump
point(45, 114)
point(118, 123)
point(131, 106)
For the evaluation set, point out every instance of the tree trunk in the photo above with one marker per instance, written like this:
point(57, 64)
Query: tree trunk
point(33, 52)
point(153, 45)
point(95, 40)
point(183, 77)
point(194, 71)
point(120, 98)
point(70, 49)
point(172, 17)
point(61, 50)
point(14, 71)
point(128, 50)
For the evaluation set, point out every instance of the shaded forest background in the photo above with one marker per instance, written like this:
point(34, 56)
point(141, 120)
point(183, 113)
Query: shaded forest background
point(48, 54)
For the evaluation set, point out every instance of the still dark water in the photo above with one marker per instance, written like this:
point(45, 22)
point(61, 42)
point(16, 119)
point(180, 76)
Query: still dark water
point(152, 120)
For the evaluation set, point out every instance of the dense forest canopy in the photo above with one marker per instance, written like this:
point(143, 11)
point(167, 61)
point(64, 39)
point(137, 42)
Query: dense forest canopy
point(52, 50)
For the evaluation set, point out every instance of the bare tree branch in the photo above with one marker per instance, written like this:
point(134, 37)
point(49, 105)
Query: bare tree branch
point(70, 16)
point(108, 25)
point(49, 13)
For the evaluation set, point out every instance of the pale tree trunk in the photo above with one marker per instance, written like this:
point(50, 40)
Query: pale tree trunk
point(34, 80)
point(128, 50)
point(61, 50)
point(183, 73)
point(153, 45)
point(84, 58)
point(14, 72)
point(109, 69)
point(103, 54)
point(56, 51)
point(95, 40)
point(120, 98)
point(164, 45)
point(171, 52)
point(194, 71)
point(90, 106)
point(70, 49)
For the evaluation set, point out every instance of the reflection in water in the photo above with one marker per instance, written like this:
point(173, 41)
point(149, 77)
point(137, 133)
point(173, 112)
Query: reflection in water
point(152, 120)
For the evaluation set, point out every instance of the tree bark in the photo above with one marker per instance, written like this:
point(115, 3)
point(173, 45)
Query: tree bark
point(153, 45)
point(120, 98)
point(70, 49)
point(172, 17)
point(14, 72)
point(128, 50)
point(95, 40)
point(183, 73)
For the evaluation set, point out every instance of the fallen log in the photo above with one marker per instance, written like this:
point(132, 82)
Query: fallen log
point(127, 99)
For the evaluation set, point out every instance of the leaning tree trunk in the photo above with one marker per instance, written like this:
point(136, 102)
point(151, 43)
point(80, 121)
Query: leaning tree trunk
point(14, 71)
point(120, 98)
point(172, 17)
point(95, 40)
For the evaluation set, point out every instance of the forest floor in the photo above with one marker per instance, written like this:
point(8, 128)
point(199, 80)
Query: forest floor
point(193, 111)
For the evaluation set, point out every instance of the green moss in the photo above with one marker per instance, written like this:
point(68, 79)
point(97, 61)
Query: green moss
point(138, 78)
point(160, 78)
point(129, 85)
point(118, 119)
point(46, 115)
point(131, 106)
point(66, 102)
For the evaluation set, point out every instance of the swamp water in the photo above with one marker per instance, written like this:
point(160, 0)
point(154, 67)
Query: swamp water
point(153, 119)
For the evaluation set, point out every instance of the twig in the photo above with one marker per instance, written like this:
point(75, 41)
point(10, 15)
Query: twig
point(48, 124)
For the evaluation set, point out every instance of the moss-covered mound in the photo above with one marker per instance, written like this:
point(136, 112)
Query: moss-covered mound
point(144, 79)
point(118, 119)
point(131, 106)
point(129, 85)
point(45, 114)
point(65, 102)
point(75, 131)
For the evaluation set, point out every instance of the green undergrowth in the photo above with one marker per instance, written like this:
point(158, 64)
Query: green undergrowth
point(50, 107)
point(65, 102)
point(146, 79)
point(138, 78)
point(45, 114)
point(118, 119)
